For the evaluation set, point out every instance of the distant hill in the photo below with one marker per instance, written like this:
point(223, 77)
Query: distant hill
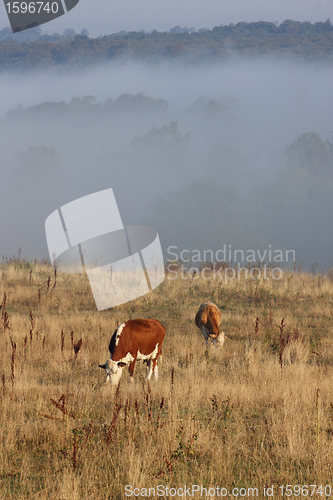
point(291, 39)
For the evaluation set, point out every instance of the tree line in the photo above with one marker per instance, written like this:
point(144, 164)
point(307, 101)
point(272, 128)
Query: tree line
point(293, 39)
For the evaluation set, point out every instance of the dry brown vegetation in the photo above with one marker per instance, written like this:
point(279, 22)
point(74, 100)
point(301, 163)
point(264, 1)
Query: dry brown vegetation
point(257, 412)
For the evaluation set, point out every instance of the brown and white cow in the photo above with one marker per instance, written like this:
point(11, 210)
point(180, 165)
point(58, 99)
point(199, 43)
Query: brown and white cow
point(208, 319)
point(135, 339)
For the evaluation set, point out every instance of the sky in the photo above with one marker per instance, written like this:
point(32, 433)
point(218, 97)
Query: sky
point(103, 17)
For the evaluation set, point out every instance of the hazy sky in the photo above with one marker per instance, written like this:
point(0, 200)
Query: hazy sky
point(102, 17)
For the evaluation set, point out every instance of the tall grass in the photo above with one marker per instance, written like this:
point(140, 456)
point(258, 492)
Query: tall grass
point(245, 415)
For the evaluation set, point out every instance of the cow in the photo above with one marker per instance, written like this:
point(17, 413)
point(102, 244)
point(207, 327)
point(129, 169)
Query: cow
point(134, 339)
point(208, 319)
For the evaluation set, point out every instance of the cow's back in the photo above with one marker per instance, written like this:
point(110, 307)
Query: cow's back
point(209, 316)
point(138, 335)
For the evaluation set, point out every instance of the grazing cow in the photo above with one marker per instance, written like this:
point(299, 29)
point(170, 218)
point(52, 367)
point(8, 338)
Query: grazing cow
point(208, 319)
point(135, 339)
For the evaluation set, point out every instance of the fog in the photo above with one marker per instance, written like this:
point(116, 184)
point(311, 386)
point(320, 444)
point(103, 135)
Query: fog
point(217, 173)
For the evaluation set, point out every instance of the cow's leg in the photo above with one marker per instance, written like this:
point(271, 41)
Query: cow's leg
point(156, 371)
point(150, 369)
point(131, 369)
point(206, 336)
point(154, 368)
point(159, 355)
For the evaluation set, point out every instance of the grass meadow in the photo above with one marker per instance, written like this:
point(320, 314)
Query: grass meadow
point(256, 413)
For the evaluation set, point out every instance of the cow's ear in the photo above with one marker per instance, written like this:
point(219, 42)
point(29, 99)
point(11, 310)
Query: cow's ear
point(121, 364)
point(102, 366)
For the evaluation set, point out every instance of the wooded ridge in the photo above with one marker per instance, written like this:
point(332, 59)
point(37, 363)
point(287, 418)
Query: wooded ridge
point(291, 39)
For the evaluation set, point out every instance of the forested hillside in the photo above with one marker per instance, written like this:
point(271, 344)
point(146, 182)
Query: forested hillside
point(290, 39)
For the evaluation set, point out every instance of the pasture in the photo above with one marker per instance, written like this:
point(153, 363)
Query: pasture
point(257, 412)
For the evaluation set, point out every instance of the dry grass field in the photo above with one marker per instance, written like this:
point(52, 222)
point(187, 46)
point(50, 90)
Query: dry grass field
point(256, 413)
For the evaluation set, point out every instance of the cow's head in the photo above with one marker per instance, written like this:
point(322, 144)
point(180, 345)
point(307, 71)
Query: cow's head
point(113, 370)
point(221, 338)
point(217, 337)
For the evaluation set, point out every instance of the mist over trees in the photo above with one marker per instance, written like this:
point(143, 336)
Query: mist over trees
point(296, 208)
point(198, 192)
